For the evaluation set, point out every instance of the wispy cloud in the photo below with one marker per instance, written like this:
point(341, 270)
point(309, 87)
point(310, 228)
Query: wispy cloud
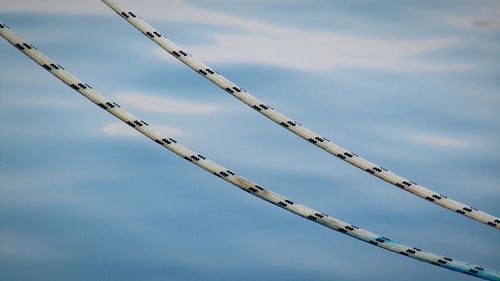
point(121, 130)
point(269, 43)
point(437, 140)
point(164, 105)
point(172, 10)
point(52, 7)
point(317, 51)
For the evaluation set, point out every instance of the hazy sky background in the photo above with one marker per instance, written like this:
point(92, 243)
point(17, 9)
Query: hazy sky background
point(411, 85)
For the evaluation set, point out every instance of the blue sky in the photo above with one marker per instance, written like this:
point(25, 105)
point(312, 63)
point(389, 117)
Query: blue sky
point(414, 86)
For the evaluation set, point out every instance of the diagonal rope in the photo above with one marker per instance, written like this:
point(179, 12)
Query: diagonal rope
point(296, 128)
point(239, 181)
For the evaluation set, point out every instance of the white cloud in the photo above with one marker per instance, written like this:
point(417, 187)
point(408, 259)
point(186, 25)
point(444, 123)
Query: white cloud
point(52, 7)
point(436, 140)
point(268, 43)
point(164, 105)
point(178, 10)
point(317, 51)
point(122, 130)
point(172, 10)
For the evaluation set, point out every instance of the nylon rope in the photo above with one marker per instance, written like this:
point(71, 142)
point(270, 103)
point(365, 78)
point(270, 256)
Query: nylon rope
point(296, 128)
point(199, 160)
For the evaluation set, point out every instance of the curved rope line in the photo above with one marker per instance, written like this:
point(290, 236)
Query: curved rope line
point(246, 185)
point(296, 128)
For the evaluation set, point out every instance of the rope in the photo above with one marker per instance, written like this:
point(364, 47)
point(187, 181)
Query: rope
point(246, 185)
point(296, 128)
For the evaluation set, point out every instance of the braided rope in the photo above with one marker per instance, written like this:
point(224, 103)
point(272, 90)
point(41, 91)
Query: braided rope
point(171, 144)
point(296, 128)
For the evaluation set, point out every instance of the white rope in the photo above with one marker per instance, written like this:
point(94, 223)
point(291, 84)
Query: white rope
point(296, 128)
point(231, 177)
